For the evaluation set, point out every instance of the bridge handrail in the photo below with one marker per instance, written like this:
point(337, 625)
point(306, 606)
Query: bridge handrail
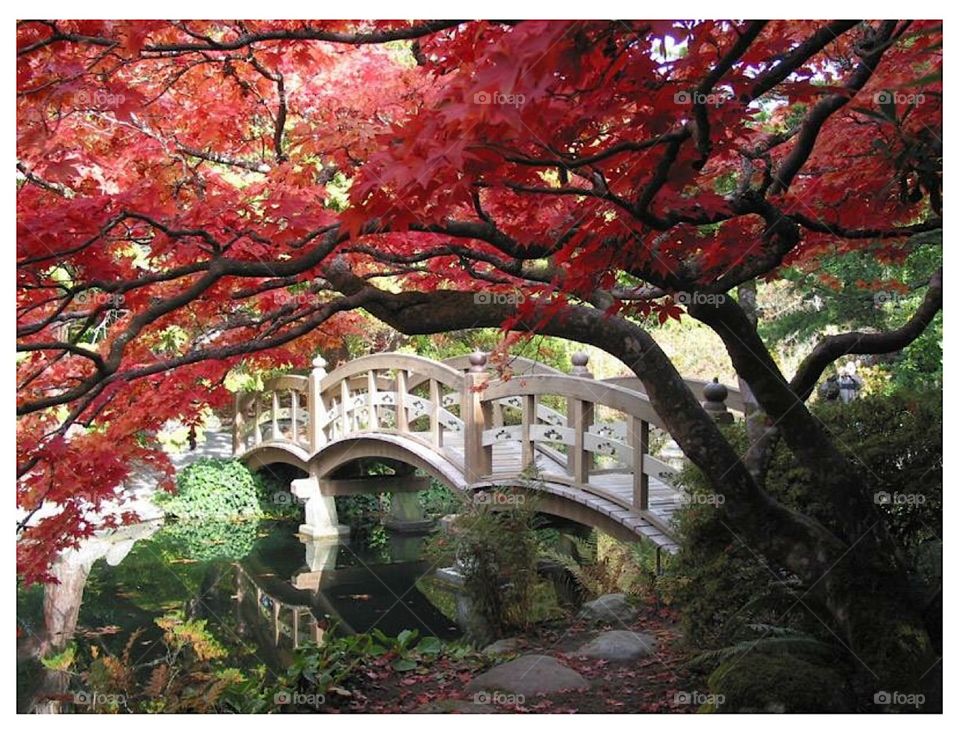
point(734, 398)
point(622, 399)
point(525, 364)
point(415, 364)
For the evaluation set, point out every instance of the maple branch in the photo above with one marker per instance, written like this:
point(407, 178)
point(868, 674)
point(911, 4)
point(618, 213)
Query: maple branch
point(739, 48)
point(259, 168)
point(823, 109)
point(308, 34)
point(793, 59)
point(869, 233)
point(281, 117)
point(60, 37)
point(627, 146)
point(56, 188)
point(863, 343)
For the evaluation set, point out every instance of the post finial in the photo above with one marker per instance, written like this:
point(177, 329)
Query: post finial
point(579, 362)
point(319, 365)
point(716, 394)
point(478, 361)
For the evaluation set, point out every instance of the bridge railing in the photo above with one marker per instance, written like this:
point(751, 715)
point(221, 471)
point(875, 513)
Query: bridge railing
point(593, 434)
point(279, 413)
point(385, 392)
point(390, 392)
point(588, 428)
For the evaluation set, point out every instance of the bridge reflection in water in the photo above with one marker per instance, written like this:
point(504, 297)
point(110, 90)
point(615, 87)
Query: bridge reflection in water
point(284, 611)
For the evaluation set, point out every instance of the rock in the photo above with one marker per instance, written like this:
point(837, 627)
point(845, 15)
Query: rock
point(453, 706)
point(498, 648)
point(526, 676)
point(609, 609)
point(619, 645)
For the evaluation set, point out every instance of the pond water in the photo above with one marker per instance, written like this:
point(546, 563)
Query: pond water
point(262, 591)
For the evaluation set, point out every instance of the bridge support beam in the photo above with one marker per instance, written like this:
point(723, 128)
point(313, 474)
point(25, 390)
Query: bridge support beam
point(321, 510)
point(406, 515)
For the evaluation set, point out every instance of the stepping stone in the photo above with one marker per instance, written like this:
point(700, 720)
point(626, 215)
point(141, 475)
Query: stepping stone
point(609, 609)
point(527, 676)
point(619, 645)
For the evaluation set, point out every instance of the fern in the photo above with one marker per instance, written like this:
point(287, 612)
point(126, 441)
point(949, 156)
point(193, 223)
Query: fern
point(774, 640)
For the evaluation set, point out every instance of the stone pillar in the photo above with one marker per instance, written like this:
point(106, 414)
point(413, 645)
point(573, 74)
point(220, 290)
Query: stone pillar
point(320, 510)
point(406, 515)
point(715, 394)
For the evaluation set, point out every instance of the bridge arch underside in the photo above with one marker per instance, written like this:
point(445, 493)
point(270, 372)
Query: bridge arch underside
point(340, 459)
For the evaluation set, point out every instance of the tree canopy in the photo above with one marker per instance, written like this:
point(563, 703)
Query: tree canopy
point(195, 195)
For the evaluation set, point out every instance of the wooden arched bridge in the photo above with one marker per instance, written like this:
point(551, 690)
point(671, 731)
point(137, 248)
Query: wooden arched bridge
point(586, 448)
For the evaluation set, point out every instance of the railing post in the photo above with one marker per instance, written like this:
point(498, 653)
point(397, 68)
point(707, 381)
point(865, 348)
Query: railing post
point(436, 428)
point(476, 415)
point(579, 368)
point(640, 442)
point(315, 438)
point(528, 410)
point(294, 419)
point(580, 419)
point(373, 421)
point(257, 434)
point(403, 425)
point(274, 416)
point(238, 423)
point(347, 414)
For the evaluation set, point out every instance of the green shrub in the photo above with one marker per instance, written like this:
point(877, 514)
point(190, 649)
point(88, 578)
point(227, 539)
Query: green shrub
point(602, 565)
point(762, 682)
point(214, 488)
point(496, 550)
point(725, 590)
point(438, 500)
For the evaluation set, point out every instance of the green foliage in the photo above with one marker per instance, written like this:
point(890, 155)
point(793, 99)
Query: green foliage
point(62, 660)
point(191, 673)
point(214, 488)
point(735, 603)
point(897, 442)
point(720, 584)
point(764, 682)
point(188, 676)
point(857, 290)
point(496, 551)
point(208, 540)
point(602, 565)
point(364, 515)
point(438, 500)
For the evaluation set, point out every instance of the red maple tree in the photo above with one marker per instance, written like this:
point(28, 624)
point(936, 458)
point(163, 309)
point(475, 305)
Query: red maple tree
point(194, 195)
